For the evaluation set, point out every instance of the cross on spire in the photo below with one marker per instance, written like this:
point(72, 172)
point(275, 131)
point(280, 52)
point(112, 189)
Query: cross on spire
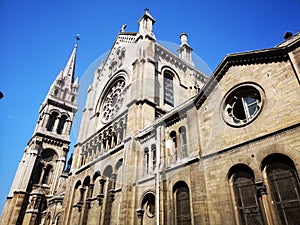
point(77, 38)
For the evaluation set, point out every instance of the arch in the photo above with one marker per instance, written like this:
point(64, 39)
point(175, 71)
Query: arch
point(146, 160)
point(61, 124)
point(56, 92)
point(77, 185)
point(121, 74)
point(47, 173)
point(167, 69)
point(242, 180)
point(237, 168)
point(182, 203)
point(148, 204)
point(51, 121)
point(108, 171)
point(174, 152)
point(87, 181)
point(44, 166)
point(153, 152)
point(183, 140)
point(276, 157)
point(284, 187)
point(96, 175)
point(119, 164)
point(48, 155)
point(168, 88)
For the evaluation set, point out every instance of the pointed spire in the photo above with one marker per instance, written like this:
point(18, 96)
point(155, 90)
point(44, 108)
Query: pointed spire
point(76, 82)
point(68, 71)
point(64, 88)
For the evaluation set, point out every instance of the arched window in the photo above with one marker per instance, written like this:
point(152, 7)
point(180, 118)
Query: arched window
point(168, 89)
point(38, 172)
point(46, 175)
point(184, 152)
point(146, 154)
point(182, 203)
point(52, 118)
point(55, 92)
point(61, 124)
point(108, 172)
point(174, 155)
point(148, 206)
point(245, 193)
point(283, 182)
point(153, 149)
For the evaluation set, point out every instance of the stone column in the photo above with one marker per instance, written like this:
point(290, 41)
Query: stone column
point(140, 215)
point(263, 200)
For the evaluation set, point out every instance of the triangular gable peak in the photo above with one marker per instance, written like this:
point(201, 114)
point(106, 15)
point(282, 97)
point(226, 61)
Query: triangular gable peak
point(276, 54)
point(114, 59)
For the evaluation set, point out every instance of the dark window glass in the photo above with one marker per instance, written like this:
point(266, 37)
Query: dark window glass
point(153, 148)
point(168, 90)
point(51, 121)
point(61, 124)
point(242, 104)
point(183, 213)
point(246, 198)
point(284, 187)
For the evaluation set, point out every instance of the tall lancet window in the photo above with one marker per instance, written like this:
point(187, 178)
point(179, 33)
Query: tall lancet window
point(183, 153)
point(168, 89)
point(61, 124)
point(52, 118)
point(153, 149)
point(182, 203)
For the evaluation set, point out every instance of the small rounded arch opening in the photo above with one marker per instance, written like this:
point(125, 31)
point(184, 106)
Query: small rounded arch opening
point(240, 170)
point(87, 181)
point(108, 171)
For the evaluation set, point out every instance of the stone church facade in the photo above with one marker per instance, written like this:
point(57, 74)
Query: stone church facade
point(162, 143)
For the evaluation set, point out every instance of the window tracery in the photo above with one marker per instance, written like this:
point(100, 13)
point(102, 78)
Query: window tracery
point(113, 100)
point(242, 104)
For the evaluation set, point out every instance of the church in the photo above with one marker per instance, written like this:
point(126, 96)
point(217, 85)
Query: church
point(162, 143)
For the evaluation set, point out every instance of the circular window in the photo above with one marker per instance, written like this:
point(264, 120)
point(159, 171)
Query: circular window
point(242, 104)
point(113, 100)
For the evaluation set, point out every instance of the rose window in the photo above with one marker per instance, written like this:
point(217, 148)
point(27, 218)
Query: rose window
point(113, 100)
point(242, 105)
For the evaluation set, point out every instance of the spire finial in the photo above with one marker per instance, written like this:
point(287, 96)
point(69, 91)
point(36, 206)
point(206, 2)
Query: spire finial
point(146, 9)
point(77, 38)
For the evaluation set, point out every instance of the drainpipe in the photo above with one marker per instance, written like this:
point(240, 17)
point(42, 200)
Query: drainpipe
point(158, 148)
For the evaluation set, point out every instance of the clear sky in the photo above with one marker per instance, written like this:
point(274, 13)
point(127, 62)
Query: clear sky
point(37, 37)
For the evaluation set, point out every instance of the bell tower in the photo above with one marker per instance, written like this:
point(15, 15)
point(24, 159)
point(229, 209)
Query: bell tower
point(45, 155)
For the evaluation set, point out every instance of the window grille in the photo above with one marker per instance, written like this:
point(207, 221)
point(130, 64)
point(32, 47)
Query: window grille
point(183, 213)
point(246, 199)
point(284, 186)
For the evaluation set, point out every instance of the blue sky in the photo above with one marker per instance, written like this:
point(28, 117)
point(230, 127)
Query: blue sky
point(37, 38)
